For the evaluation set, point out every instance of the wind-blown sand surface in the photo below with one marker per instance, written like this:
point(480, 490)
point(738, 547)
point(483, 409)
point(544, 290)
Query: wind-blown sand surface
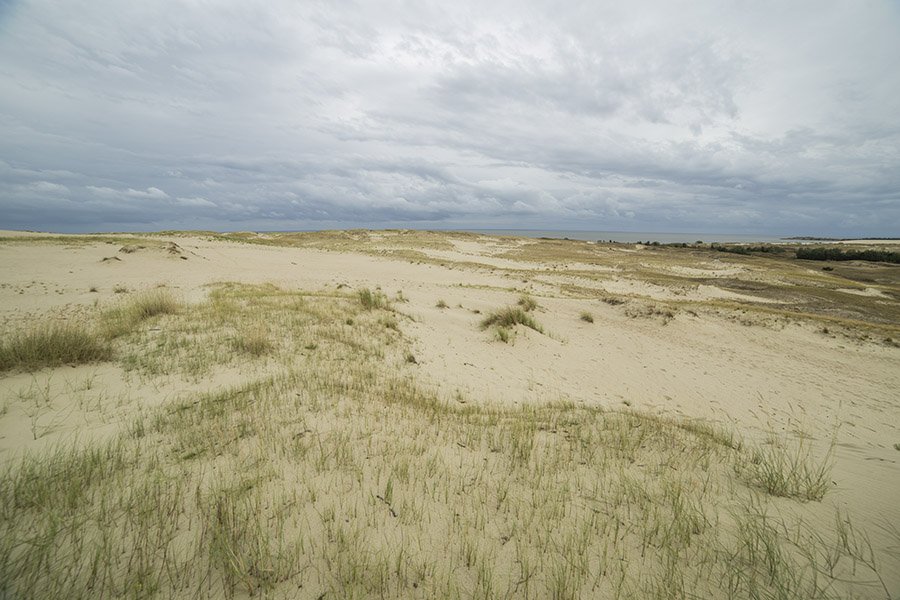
point(759, 346)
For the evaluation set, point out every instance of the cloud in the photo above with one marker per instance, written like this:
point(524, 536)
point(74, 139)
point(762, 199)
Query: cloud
point(150, 192)
point(704, 116)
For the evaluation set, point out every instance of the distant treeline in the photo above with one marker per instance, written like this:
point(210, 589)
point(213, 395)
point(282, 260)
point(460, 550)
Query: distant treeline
point(748, 249)
point(838, 254)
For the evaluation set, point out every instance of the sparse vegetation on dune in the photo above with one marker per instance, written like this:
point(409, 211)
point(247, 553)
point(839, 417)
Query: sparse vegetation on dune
point(329, 474)
point(326, 469)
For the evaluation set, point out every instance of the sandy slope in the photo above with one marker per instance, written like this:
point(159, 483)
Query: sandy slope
point(755, 378)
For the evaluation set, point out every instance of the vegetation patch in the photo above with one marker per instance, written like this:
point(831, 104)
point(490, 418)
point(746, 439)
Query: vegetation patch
point(836, 254)
point(788, 469)
point(336, 475)
point(51, 345)
point(372, 300)
point(253, 341)
point(527, 303)
point(749, 249)
point(510, 316)
point(124, 318)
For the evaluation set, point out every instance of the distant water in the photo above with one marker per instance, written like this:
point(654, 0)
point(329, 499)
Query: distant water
point(631, 236)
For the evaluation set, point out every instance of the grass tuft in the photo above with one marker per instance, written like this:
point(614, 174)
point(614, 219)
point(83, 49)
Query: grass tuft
point(372, 300)
point(527, 303)
point(510, 316)
point(789, 470)
point(123, 319)
point(254, 342)
point(52, 345)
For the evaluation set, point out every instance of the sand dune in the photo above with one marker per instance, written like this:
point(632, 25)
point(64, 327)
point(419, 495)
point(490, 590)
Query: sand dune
point(667, 338)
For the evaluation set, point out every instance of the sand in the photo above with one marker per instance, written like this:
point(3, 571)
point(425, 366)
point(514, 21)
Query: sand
point(751, 370)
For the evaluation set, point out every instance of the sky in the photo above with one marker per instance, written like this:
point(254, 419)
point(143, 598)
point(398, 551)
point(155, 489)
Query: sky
point(776, 117)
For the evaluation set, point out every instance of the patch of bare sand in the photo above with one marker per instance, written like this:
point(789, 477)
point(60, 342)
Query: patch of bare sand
point(869, 291)
point(870, 242)
point(708, 270)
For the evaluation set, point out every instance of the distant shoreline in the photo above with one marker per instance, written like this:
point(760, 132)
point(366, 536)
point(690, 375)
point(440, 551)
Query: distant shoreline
point(560, 234)
point(805, 238)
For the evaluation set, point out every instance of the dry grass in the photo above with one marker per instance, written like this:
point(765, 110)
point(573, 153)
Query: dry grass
point(123, 318)
point(527, 303)
point(372, 300)
point(254, 341)
point(801, 292)
point(50, 345)
point(330, 473)
point(510, 316)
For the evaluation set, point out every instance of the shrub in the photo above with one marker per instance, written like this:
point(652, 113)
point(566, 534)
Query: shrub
point(746, 250)
point(52, 345)
point(586, 317)
point(441, 304)
point(819, 253)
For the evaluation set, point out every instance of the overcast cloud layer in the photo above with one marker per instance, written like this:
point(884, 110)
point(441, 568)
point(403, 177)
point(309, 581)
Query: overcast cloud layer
point(768, 117)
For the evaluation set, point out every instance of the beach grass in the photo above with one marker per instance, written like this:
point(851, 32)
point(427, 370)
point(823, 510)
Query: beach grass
point(52, 344)
point(328, 471)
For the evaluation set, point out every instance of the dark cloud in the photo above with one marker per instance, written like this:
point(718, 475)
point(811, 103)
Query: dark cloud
point(767, 117)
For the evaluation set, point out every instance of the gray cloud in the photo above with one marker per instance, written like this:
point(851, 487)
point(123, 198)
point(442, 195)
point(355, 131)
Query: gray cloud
point(696, 116)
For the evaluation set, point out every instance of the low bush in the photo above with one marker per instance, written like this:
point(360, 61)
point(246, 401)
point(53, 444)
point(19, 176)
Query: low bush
point(837, 254)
